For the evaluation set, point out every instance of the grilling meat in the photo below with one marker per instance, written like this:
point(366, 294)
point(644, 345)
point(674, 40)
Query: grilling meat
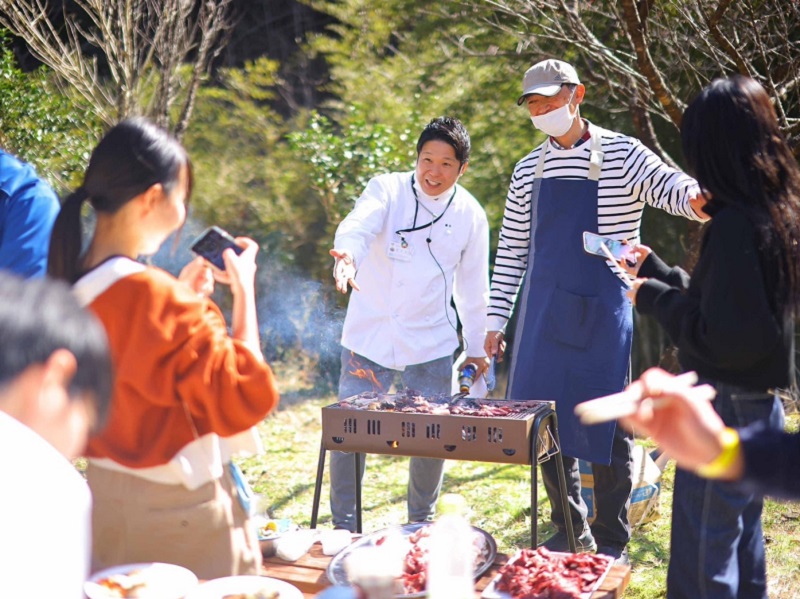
point(412, 402)
point(539, 574)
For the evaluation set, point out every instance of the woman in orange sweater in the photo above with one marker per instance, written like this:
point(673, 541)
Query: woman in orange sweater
point(186, 393)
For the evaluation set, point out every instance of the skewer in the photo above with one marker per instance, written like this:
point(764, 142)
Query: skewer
point(626, 277)
point(626, 403)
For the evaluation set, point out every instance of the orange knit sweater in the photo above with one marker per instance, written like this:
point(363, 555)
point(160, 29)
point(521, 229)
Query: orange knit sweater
point(171, 351)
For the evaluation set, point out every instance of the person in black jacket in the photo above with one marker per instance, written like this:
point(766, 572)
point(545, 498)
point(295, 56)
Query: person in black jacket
point(732, 321)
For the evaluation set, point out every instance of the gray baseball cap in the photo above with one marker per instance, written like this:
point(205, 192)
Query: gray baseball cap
point(546, 78)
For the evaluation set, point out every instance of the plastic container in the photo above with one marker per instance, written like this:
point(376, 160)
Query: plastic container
point(293, 545)
point(451, 562)
point(375, 571)
point(333, 541)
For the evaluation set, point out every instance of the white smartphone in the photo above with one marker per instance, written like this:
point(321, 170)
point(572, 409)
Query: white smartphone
point(592, 241)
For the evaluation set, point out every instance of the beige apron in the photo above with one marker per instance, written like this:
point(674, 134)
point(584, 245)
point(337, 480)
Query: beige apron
point(205, 530)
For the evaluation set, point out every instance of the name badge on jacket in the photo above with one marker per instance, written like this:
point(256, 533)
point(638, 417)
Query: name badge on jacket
point(396, 251)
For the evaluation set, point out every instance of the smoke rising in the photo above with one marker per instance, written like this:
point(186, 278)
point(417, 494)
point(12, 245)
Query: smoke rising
point(296, 315)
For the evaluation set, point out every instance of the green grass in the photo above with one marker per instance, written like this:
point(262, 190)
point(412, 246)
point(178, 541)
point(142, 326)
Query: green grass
point(498, 496)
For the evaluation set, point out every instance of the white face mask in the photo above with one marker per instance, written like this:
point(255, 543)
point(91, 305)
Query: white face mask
point(556, 122)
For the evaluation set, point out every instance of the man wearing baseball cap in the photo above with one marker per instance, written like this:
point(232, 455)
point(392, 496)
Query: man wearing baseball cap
point(574, 328)
point(546, 78)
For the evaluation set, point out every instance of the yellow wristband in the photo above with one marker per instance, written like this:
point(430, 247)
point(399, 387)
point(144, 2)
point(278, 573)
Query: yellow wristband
point(718, 467)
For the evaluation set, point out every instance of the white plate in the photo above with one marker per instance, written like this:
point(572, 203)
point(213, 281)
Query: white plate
point(219, 587)
point(162, 581)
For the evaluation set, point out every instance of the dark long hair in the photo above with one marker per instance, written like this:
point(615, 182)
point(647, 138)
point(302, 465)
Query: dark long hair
point(132, 157)
point(736, 151)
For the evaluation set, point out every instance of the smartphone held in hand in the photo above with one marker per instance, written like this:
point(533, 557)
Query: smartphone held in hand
point(592, 245)
point(211, 243)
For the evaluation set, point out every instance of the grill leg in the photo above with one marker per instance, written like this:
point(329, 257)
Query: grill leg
point(358, 457)
point(318, 485)
point(562, 485)
point(539, 423)
point(534, 495)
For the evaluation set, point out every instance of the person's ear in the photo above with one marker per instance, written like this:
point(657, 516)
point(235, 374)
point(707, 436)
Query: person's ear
point(57, 372)
point(41, 390)
point(580, 92)
point(463, 168)
point(151, 198)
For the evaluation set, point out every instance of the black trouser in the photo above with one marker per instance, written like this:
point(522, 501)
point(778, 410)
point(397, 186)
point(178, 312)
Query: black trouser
point(612, 493)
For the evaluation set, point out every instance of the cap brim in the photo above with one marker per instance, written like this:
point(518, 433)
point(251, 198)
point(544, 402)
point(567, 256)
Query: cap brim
point(548, 90)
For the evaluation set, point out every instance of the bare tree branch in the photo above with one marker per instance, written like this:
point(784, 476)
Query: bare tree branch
point(214, 30)
point(136, 51)
point(670, 48)
point(646, 65)
point(712, 21)
point(643, 123)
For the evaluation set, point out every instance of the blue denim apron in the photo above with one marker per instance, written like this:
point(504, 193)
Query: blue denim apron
point(573, 337)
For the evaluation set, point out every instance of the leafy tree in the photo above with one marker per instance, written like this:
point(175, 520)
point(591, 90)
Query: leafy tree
point(251, 182)
point(650, 58)
point(397, 64)
point(641, 60)
point(342, 164)
point(40, 125)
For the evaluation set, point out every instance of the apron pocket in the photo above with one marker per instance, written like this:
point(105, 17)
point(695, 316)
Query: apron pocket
point(571, 318)
point(582, 385)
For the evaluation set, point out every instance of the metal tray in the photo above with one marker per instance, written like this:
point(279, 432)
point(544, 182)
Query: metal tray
point(338, 575)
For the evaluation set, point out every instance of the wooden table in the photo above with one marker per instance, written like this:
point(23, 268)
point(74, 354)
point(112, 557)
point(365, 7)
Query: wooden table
point(308, 574)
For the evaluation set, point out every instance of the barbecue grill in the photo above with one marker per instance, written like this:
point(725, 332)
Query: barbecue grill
point(524, 432)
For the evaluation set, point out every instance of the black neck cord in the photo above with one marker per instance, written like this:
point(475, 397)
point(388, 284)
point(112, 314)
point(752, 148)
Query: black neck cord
point(429, 226)
point(414, 227)
point(446, 298)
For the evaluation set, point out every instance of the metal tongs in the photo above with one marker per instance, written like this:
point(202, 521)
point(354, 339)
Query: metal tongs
point(458, 398)
point(489, 375)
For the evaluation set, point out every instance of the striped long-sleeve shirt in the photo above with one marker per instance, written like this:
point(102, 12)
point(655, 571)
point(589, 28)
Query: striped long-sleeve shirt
point(631, 177)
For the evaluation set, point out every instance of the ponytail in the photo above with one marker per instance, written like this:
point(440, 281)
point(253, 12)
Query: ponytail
point(66, 239)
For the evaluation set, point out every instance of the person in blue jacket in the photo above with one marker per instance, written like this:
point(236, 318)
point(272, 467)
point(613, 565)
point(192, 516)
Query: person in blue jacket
point(28, 209)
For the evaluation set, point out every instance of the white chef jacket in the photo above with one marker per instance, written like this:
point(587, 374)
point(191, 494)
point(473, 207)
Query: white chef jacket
point(402, 315)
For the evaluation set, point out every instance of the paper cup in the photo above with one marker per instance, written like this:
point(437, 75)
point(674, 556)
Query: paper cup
point(333, 541)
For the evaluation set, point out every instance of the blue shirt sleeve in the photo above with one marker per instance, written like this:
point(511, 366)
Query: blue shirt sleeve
point(772, 461)
point(28, 209)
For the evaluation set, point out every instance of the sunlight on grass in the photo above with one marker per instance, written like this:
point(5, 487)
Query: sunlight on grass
point(498, 496)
